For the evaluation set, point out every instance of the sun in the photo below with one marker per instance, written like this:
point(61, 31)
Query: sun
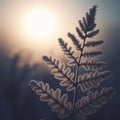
point(39, 23)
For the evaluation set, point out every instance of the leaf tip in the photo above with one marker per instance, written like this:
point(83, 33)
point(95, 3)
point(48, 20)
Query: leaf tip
point(45, 58)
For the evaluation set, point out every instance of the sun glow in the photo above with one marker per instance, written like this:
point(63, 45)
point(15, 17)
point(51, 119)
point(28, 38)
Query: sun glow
point(39, 23)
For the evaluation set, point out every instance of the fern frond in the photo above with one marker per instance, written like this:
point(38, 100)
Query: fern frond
point(88, 22)
point(59, 103)
point(61, 72)
point(68, 51)
point(90, 80)
point(90, 18)
point(80, 34)
point(93, 65)
point(85, 22)
point(75, 41)
point(93, 101)
point(92, 34)
point(82, 26)
point(92, 54)
point(91, 27)
point(94, 43)
point(79, 107)
point(73, 63)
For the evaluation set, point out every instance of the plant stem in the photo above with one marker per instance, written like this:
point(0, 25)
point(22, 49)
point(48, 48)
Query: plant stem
point(77, 74)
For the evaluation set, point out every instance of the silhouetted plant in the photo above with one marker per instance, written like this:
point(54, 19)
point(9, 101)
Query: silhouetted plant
point(74, 81)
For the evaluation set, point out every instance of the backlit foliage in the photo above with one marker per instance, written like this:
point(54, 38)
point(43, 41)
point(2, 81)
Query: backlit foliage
point(74, 81)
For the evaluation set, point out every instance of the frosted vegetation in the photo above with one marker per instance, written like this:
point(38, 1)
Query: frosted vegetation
point(82, 76)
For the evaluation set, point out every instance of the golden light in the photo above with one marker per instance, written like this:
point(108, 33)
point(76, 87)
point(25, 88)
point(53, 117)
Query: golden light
point(39, 23)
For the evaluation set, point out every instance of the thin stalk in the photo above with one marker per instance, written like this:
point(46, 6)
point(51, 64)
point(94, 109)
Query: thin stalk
point(77, 74)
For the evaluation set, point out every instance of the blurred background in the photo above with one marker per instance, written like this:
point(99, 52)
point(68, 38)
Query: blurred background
point(23, 43)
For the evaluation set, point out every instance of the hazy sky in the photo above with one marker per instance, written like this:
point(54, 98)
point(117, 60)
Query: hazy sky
point(66, 12)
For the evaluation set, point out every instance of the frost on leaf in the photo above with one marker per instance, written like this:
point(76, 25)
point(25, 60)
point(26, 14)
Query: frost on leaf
point(68, 52)
point(70, 75)
point(92, 54)
point(94, 43)
point(92, 34)
point(93, 65)
point(88, 24)
point(61, 72)
point(58, 103)
point(80, 34)
point(93, 101)
point(75, 41)
point(91, 80)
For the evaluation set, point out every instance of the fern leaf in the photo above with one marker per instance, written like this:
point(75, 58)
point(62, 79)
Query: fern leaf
point(91, 27)
point(88, 22)
point(59, 103)
point(82, 26)
point(61, 72)
point(85, 22)
point(75, 41)
point(94, 43)
point(68, 51)
point(79, 107)
point(90, 18)
point(90, 80)
point(73, 63)
point(93, 65)
point(92, 54)
point(93, 101)
point(92, 34)
point(80, 33)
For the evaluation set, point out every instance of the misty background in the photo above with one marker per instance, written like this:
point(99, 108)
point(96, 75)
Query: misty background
point(18, 66)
